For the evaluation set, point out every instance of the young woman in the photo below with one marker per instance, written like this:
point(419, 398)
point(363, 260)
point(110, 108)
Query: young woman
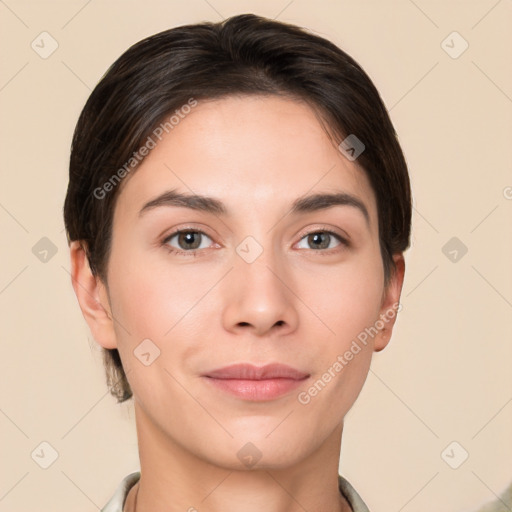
point(237, 211)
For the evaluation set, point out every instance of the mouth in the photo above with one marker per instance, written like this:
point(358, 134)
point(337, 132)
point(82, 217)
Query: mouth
point(255, 383)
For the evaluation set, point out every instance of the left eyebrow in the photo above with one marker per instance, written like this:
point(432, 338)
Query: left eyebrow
point(317, 202)
point(305, 204)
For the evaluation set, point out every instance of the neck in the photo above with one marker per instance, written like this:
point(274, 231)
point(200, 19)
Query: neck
point(130, 504)
point(174, 479)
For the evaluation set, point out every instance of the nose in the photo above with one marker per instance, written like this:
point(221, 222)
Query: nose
point(258, 297)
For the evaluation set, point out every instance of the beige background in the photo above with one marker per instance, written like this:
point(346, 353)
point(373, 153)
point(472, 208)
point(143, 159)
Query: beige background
point(446, 376)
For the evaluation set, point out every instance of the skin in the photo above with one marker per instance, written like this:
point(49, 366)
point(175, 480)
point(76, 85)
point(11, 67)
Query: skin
point(294, 304)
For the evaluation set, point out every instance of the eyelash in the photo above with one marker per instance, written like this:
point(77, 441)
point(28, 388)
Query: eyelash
point(194, 252)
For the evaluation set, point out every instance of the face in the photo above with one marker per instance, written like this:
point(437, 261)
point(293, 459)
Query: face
point(254, 278)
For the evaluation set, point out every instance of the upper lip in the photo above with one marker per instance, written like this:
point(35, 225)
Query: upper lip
point(246, 371)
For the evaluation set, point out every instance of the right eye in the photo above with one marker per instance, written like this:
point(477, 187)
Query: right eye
point(189, 241)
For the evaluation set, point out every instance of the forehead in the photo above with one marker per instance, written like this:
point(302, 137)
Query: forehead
point(248, 151)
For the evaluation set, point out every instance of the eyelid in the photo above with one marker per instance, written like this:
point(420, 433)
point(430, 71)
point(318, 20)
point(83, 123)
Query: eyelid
point(343, 239)
point(187, 227)
point(343, 236)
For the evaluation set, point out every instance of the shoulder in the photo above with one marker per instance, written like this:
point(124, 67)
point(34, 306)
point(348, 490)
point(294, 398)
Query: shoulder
point(116, 502)
point(501, 504)
point(351, 495)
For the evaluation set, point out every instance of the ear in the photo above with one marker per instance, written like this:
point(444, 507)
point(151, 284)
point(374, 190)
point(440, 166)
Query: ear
point(390, 304)
point(92, 296)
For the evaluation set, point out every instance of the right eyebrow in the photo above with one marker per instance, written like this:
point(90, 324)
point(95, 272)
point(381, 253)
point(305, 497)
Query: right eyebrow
point(194, 201)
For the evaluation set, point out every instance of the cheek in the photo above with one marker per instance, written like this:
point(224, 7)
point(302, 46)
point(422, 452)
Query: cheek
point(156, 304)
point(151, 296)
point(345, 298)
point(347, 303)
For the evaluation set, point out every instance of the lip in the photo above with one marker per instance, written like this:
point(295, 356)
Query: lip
point(247, 371)
point(257, 383)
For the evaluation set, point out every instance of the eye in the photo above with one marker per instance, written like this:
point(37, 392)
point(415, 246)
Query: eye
point(189, 241)
point(321, 239)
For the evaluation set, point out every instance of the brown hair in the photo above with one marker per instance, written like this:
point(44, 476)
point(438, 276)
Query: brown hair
point(245, 54)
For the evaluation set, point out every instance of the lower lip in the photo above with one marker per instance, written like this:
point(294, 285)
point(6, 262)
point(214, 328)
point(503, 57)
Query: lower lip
point(257, 390)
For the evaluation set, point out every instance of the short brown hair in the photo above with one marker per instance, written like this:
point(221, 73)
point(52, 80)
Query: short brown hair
point(245, 54)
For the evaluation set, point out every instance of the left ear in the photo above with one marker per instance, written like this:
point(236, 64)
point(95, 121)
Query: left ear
point(390, 304)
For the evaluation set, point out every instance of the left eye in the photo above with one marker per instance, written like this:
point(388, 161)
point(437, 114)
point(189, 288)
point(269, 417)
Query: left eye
point(321, 239)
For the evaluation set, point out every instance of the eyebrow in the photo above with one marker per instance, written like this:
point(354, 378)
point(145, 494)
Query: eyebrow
point(305, 204)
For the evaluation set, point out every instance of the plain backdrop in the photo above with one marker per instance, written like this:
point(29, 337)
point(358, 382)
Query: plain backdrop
point(442, 388)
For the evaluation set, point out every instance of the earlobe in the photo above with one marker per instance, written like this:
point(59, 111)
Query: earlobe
point(390, 304)
point(92, 297)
